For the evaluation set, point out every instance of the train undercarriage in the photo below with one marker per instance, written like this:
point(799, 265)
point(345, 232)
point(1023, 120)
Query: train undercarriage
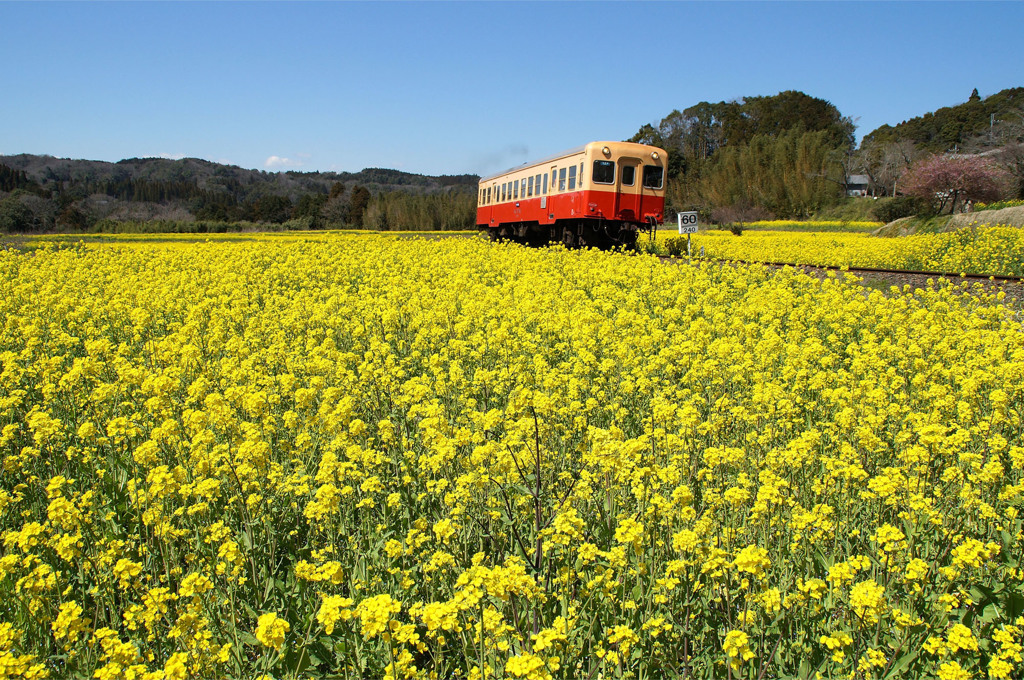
point(582, 233)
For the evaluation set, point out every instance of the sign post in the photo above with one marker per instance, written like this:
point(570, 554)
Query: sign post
point(687, 225)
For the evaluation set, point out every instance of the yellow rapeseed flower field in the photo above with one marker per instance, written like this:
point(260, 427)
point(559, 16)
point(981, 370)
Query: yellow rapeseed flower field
point(814, 225)
point(988, 250)
point(365, 457)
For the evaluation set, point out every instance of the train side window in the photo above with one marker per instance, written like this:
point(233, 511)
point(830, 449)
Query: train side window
point(554, 179)
point(515, 190)
point(581, 174)
point(522, 190)
point(653, 176)
point(604, 172)
point(537, 182)
point(561, 179)
point(529, 188)
point(545, 184)
point(629, 175)
point(572, 177)
point(504, 191)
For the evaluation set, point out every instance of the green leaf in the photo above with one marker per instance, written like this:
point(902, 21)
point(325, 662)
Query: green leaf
point(901, 665)
point(1014, 605)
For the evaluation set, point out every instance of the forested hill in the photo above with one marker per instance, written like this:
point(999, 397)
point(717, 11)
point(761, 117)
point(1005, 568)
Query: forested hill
point(49, 172)
point(792, 155)
point(973, 125)
point(64, 193)
point(754, 157)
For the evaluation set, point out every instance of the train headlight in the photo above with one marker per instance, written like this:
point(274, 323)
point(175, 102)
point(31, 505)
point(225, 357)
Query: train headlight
point(654, 155)
point(606, 151)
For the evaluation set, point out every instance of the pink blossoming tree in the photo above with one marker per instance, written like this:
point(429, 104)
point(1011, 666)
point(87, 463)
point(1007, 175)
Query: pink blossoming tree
point(949, 182)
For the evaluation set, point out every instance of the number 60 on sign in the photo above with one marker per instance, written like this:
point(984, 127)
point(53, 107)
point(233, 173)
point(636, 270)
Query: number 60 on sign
point(687, 222)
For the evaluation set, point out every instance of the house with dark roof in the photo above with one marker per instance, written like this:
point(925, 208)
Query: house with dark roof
point(857, 185)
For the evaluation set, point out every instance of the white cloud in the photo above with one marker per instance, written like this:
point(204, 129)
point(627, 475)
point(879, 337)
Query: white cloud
point(281, 162)
point(172, 156)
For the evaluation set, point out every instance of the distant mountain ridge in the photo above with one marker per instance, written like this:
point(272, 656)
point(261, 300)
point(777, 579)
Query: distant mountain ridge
point(217, 177)
point(44, 193)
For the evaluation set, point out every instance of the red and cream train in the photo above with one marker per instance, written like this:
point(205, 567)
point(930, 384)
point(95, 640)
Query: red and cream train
point(601, 194)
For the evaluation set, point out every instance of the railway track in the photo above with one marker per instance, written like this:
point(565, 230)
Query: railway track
point(876, 271)
point(878, 278)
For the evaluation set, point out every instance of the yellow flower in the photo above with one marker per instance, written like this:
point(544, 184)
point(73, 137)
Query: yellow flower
point(951, 670)
point(270, 630)
point(375, 613)
point(527, 666)
point(867, 599)
point(194, 584)
point(69, 623)
point(334, 608)
point(737, 646)
point(752, 560)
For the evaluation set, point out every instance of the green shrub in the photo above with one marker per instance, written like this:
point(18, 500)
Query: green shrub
point(675, 246)
point(901, 206)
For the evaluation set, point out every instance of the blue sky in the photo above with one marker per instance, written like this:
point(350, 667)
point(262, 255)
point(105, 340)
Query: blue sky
point(461, 87)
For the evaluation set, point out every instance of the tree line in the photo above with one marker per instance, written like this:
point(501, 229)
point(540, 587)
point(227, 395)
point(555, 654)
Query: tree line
point(791, 155)
point(778, 155)
point(89, 201)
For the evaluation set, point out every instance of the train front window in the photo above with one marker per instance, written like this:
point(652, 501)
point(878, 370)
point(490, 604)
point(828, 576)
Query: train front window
point(604, 172)
point(572, 177)
point(628, 175)
point(653, 176)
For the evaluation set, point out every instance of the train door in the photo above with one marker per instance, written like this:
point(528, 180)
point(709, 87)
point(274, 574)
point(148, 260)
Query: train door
point(493, 199)
point(547, 201)
point(628, 190)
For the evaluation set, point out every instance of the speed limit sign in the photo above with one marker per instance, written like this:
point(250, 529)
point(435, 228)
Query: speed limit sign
point(688, 222)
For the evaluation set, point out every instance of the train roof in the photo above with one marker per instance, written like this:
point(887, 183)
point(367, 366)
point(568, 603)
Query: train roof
point(570, 152)
point(563, 154)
